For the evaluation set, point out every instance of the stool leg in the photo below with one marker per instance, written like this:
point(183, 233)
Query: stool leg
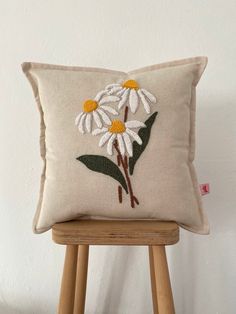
point(81, 279)
point(162, 281)
point(66, 303)
point(153, 281)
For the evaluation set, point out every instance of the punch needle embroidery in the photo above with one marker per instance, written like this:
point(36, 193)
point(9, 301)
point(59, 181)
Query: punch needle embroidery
point(132, 94)
point(96, 109)
point(126, 138)
point(120, 131)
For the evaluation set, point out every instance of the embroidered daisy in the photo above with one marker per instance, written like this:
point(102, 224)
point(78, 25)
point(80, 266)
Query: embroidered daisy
point(96, 109)
point(120, 131)
point(132, 94)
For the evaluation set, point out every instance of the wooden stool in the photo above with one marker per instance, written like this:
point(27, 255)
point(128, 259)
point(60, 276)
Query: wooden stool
point(78, 235)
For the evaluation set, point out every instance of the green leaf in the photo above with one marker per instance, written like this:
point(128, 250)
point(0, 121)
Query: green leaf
point(104, 165)
point(144, 134)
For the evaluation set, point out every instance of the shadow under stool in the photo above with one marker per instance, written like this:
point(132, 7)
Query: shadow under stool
point(78, 235)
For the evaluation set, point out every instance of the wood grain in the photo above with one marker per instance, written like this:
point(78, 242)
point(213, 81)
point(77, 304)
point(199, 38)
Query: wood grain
point(153, 281)
point(116, 232)
point(66, 303)
point(164, 295)
point(81, 279)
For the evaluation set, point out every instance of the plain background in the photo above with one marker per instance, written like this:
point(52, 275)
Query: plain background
point(121, 35)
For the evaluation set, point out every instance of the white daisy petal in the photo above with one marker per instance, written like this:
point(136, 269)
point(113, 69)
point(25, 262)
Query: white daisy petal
point(109, 109)
point(88, 122)
point(99, 131)
point(121, 92)
point(97, 119)
point(104, 138)
point(144, 102)
point(104, 116)
point(114, 90)
point(99, 95)
point(110, 144)
point(134, 136)
point(78, 118)
point(134, 124)
point(123, 99)
point(150, 96)
point(133, 100)
point(81, 123)
point(121, 144)
point(128, 144)
point(108, 99)
point(109, 86)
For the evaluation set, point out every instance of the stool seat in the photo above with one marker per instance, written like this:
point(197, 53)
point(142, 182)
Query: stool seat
point(116, 232)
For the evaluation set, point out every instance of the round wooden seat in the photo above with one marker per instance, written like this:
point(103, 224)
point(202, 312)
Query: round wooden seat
point(116, 232)
point(78, 235)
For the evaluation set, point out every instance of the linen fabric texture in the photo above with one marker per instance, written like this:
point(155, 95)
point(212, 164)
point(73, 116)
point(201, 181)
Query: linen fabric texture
point(87, 177)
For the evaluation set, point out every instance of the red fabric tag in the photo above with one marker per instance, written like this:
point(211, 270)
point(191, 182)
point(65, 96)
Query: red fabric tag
point(204, 188)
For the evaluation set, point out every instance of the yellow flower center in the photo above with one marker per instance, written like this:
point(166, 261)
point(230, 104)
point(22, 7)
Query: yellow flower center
point(131, 84)
point(90, 105)
point(117, 126)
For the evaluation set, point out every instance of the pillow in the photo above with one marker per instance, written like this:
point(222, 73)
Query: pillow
point(118, 145)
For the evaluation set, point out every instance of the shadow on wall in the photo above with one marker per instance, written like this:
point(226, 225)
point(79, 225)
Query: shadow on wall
point(34, 308)
point(115, 270)
point(115, 285)
point(216, 151)
point(201, 265)
point(5, 309)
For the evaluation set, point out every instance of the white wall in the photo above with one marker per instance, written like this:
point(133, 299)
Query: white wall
point(121, 35)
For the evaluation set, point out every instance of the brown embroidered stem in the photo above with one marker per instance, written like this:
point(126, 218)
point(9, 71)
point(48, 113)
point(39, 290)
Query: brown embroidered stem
point(126, 113)
point(133, 199)
point(136, 200)
point(126, 162)
point(119, 187)
point(120, 194)
point(125, 119)
point(118, 160)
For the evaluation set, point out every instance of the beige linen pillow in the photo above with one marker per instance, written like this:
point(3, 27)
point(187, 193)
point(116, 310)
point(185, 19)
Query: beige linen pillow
point(118, 145)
